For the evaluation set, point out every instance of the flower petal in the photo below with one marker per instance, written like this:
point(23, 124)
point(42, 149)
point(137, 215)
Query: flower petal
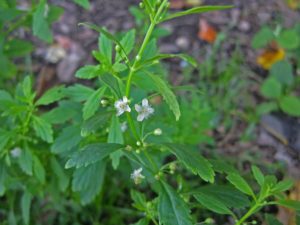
point(141, 117)
point(145, 102)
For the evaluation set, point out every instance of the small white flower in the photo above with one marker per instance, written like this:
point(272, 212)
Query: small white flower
point(124, 126)
point(144, 110)
point(137, 176)
point(16, 152)
point(122, 106)
point(157, 132)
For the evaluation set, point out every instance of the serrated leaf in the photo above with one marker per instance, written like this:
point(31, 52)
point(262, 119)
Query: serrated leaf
point(240, 183)
point(43, 129)
point(91, 154)
point(193, 161)
point(4, 138)
point(114, 84)
point(52, 95)
point(283, 186)
point(127, 42)
point(17, 48)
point(290, 105)
point(195, 10)
point(88, 181)
point(25, 207)
point(39, 170)
point(105, 47)
point(172, 210)
point(25, 161)
point(212, 203)
point(63, 179)
point(229, 196)
point(258, 175)
point(167, 94)
point(78, 92)
point(40, 24)
point(92, 104)
point(115, 135)
point(67, 139)
point(88, 72)
point(289, 204)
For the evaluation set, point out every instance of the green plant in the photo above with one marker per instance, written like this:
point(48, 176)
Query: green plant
point(103, 134)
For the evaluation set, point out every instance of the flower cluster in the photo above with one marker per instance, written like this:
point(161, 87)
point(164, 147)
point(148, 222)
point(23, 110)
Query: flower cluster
point(144, 110)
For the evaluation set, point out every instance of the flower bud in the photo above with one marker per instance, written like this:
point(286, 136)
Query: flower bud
point(157, 132)
point(104, 102)
point(118, 48)
point(138, 143)
point(141, 5)
point(138, 58)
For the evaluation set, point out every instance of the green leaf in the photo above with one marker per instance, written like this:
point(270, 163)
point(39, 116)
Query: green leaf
point(240, 183)
point(67, 139)
point(196, 10)
point(184, 57)
point(289, 204)
point(91, 154)
point(88, 181)
point(63, 179)
point(193, 161)
point(283, 72)
point(172, 210)
point(283, 186)
point(114, 84)
point(17, 48)
point(290, 105)
point(83, 3)
point(78, 92)
point(229, 196)
point(88, 72)
point(25, 207)
point(266, 108)
point(143, 221)
point(168, 95)
point(139, 199)
point(25, 161)
point(271, 88)
point(105, 47)
point(39, 170)
point(27, 87)
point(271, 220)
point(115, 135)
point(258, 175)
point(212, 203)
point(95, 123)
point(52, 95)
point(91, 106)
point(127, 42)
point(263, 38)
point(40, 25)
point(222, 167)
point(4, 138)
point(43, 129)
point(289, 39)
point(3, 175)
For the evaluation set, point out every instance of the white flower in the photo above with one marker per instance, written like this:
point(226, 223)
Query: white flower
point(16, 152)
point(122, 106)
point(137, 176)
point(144, 110)
point(124, 126)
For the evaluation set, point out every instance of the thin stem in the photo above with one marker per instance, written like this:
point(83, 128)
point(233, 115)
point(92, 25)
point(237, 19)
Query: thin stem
point(132, 126)
point(249, 213)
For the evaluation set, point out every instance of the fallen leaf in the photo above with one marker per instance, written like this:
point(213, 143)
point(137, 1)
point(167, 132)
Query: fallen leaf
point(206, 31)
point(288, 216)
point(293, 4)
point(270, 56)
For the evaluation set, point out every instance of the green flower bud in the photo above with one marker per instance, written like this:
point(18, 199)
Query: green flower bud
point(118, 48)
point(141, 5)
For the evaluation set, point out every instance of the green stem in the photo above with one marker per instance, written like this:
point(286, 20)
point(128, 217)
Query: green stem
point(143, 46)
point(132, 127)
point(249, 213)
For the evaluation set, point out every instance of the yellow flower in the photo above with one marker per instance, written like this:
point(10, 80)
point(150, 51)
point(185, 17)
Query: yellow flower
point(270, 56)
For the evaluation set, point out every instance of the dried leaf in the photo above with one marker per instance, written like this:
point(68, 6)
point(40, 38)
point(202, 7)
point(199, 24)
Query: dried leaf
point(206, 31)
point(270, 56)
point(286, 215)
